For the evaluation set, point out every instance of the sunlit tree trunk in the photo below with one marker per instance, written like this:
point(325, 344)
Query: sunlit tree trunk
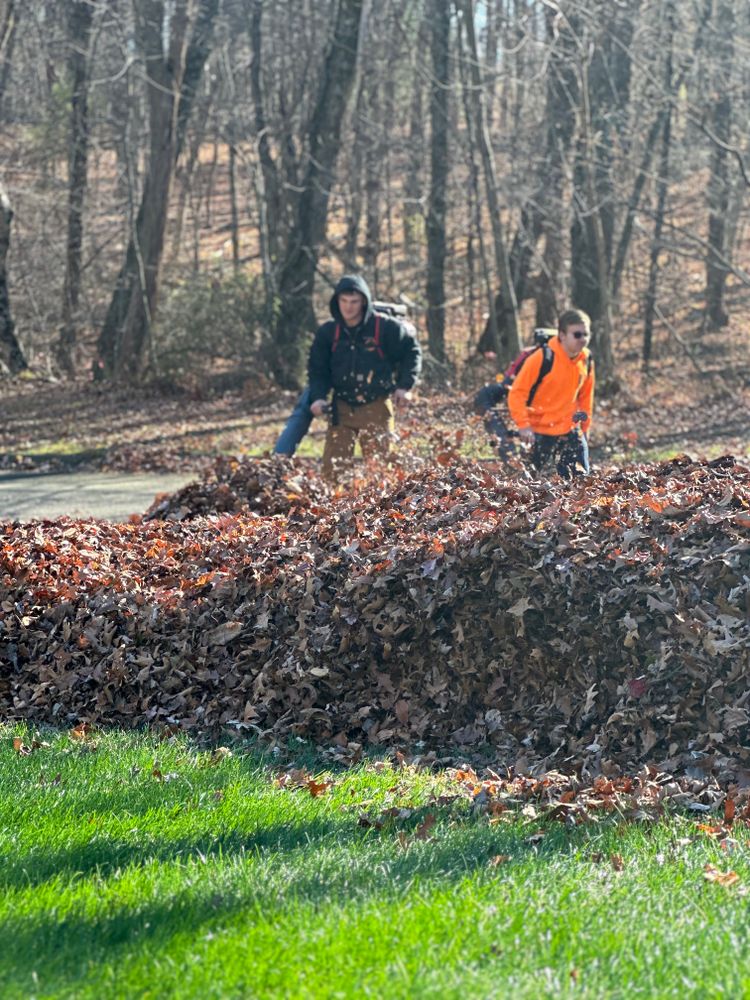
point(294, 315)
point(662, 188)
point(719, 186)
point(440, 20)
point(80, 16)
point(509, 344)
point(175, 48)
point(11, 355)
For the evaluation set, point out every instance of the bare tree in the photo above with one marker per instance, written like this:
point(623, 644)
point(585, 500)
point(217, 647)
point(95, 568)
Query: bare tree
point(80, 18)
point(719, 185)
point(8, 25)
point(11, 354)
point(175, 46)
point(297, 273)
point(440, 20)
point(662, 183)
point(510, 344)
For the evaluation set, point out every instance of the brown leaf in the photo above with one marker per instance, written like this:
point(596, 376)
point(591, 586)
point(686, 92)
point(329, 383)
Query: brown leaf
point(317, 788)
point(401, 708)
point(499, 859)
point(713, 874)
point(81, 732)
point(223, 634)
point(423, 830)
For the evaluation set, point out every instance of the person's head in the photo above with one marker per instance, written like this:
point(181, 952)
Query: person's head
point(351, 301)
point(574, 330)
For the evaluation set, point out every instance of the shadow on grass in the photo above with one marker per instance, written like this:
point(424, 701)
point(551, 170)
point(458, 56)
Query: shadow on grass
point(65, 946)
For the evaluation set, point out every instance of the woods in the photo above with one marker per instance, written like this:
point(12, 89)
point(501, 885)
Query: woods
point(491, 161)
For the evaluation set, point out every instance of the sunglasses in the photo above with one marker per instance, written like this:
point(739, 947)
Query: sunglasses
point(578, 334)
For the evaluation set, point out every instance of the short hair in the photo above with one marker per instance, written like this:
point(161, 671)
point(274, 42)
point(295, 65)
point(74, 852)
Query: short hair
point(571, 316)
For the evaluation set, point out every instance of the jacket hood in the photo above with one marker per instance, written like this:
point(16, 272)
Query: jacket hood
point(351, 283)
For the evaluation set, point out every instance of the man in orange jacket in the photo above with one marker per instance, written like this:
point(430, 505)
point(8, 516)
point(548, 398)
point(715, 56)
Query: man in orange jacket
point(552, 397)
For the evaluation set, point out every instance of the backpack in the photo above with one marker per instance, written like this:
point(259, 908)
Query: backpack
point(392, 309)
point(541, 338)
point(378, 348)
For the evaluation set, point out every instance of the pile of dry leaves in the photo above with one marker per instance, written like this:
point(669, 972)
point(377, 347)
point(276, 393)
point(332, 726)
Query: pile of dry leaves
point(266, 486)
point(601, 624)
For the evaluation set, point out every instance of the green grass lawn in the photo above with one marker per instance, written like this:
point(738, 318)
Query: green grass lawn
point(132, 867)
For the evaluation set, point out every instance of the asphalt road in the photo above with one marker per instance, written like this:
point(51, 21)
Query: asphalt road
point(113, 496)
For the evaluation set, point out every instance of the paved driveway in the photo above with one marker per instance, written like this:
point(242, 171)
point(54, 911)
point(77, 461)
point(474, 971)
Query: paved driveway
point(26, 496)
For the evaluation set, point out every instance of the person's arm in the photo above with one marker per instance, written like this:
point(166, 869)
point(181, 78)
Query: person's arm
point(405, 348)
point(319, 366)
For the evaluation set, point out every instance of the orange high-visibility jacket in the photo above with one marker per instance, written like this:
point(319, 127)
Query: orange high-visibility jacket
point(567, 387)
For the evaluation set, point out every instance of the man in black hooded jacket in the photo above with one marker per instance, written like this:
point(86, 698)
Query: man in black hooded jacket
point(365, 358)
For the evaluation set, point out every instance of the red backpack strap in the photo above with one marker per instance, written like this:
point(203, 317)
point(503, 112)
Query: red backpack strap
point(513, 368)
point(336, 335)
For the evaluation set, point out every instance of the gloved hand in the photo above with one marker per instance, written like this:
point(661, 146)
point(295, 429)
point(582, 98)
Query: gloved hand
point(402, 398)
point(526, 435)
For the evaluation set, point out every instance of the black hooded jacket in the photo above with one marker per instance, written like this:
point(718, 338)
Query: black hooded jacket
point(365, 363)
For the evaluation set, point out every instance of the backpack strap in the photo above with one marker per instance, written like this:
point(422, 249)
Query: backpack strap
point(544, 370)
point(516, 364)
point(589, 366)
point(378, 348)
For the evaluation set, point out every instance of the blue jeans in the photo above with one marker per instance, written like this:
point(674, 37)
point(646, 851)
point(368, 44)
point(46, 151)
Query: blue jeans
point(296, 426)
point(569, 451)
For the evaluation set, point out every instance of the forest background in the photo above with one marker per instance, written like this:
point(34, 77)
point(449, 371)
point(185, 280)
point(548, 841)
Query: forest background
point(182, 183)
point(184, 180)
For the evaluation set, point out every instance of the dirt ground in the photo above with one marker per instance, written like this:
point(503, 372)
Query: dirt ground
point(695, 400)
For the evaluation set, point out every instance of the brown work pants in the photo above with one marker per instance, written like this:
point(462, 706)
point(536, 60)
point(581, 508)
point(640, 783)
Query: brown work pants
point(371, 423)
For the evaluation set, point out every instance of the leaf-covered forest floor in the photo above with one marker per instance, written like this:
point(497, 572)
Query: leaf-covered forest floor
point(696, 399)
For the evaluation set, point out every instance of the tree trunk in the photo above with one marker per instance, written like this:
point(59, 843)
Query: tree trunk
point(719, 186)
point(355, 186)
point(80, 16)
point(297, 276)
point(412, 211)
point(650, 144)
point(440, 18)
point(605, 60)
point(661, 198)
point(174, 73)
point(267, 179)
point(8, 24)
point(562, 99)
point(11, 356)
point(374, 159)
point(510, 344)
point(595, 241)
point(234, 217)
point(489, 339)
point(543, 214)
